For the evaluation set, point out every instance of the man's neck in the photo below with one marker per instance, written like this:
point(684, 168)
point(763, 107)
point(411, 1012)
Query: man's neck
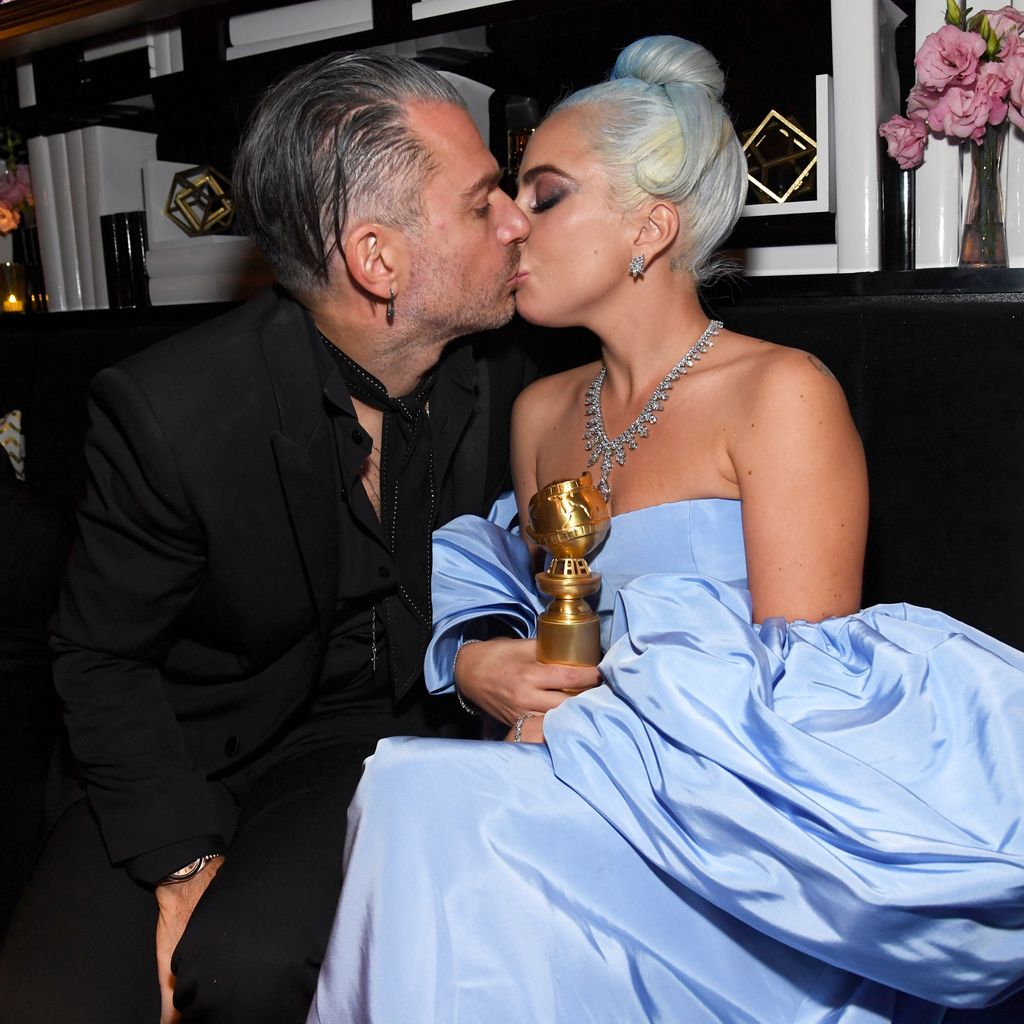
point(401, 365)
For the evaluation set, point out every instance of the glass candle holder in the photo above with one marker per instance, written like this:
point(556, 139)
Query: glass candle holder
point(13, 288)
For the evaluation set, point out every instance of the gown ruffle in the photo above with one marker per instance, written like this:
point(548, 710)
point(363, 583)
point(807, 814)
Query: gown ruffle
point(809, 822)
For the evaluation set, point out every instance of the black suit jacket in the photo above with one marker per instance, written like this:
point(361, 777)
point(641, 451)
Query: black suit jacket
point(200, 591)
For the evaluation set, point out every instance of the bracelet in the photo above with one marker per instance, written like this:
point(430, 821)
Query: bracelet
point(189, 870)
point(468, 706)
point(517, 735)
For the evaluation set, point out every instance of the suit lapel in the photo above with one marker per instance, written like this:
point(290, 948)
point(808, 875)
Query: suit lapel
point(303, 447)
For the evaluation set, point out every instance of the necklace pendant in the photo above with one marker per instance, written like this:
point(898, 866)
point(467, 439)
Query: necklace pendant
point(595, 438)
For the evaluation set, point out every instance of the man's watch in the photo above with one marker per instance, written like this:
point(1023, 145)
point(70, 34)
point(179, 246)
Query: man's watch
point(189, 870)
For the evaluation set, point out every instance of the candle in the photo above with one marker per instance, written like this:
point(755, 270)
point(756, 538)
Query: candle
point(12, 304)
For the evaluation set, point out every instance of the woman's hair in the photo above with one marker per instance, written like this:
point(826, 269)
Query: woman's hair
point(663, 131)
point(329, 143)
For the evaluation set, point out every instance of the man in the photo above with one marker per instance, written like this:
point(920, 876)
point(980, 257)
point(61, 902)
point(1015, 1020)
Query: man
point(247, 606)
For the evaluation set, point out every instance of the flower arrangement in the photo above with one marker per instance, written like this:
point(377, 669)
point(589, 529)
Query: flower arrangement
point(15, 185)
point(970, 76)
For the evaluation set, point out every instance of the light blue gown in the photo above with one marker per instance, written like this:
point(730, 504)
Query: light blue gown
point(803, 823)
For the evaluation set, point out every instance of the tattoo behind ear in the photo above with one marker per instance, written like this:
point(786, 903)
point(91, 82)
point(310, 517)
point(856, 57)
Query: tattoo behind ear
point(821, 367)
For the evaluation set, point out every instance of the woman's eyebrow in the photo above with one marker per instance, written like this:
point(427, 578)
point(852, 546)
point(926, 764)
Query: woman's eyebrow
point(535, 172)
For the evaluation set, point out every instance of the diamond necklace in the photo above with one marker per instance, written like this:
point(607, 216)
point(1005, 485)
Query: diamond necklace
point(605, 448)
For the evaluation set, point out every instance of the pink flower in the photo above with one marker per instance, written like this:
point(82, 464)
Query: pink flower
point(21, 173)
point(9, 219)
point(949, 57)
point(920, 102)
point(1015, 72)
point(961, 113)
point(994, 81)
point(906, 138)
point(15, 187)
point(1007, 23)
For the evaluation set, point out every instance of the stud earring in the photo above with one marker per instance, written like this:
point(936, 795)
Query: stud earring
point(389, 311)
point(636, 266)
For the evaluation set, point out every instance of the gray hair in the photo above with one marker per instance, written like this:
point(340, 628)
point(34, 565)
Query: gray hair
point(663, 132)
point(330, 143)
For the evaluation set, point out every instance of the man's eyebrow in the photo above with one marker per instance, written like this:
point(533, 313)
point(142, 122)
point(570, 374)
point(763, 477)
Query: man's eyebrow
point(484, 183)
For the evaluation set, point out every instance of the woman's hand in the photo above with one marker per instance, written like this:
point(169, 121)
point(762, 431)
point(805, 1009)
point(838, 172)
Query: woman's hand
point(504, 678)
point(532, 731)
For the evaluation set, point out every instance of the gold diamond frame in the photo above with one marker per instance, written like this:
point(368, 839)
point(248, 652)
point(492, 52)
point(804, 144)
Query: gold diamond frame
point(755, 135)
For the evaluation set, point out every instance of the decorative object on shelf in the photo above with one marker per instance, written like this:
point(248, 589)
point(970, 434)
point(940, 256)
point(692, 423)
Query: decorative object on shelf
point(780, 159)
point(983, 243)
point(521, 116)
point(16, 196)
point(124, 258)
point(13, 288)
point(970, 77)
point(25, 250)
point(12, 441)
point(22, 286)
point(199, 201)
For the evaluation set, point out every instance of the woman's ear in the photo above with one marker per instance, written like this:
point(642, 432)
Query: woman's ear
point(657, 227)
point(374, 256)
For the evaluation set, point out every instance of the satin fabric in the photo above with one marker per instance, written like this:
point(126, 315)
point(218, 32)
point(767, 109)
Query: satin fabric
point(803, 823)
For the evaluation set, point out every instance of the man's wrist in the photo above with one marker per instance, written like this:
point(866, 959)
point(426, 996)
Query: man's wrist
point(190, 870)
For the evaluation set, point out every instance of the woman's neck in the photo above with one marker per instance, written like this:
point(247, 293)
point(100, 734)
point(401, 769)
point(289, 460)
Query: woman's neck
point(642, 343)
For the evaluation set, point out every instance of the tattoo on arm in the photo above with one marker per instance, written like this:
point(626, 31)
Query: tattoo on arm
point(821, 367)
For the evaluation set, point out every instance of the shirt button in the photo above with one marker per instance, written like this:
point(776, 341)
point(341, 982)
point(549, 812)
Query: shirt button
point(358, 436)
point(383, 571)
point(231, 746)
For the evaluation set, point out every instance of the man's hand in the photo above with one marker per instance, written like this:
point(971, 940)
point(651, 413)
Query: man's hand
point(504, 678)
point(176, 902)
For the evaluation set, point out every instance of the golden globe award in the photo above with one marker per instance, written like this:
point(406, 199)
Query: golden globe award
point(568, 518)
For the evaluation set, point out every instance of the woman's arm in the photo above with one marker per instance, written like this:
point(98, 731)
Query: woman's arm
point(800, 469)
point(503, 676)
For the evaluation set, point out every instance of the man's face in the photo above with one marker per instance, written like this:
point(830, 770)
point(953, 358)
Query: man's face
point(464, 264)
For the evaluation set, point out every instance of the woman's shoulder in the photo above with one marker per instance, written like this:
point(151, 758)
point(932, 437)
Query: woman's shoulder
point(556, 391)
point(772, 375)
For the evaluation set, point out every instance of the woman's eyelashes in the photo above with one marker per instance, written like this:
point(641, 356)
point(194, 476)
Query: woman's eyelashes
point(545, 199)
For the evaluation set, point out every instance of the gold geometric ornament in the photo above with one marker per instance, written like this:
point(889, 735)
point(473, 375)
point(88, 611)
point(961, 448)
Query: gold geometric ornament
point(199, 203)
point(780, 158)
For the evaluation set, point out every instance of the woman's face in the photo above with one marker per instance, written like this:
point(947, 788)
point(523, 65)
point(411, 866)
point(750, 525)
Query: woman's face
point(575, 261)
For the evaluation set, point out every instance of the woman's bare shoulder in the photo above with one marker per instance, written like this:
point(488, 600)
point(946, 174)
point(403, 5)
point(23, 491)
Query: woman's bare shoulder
point(768, 372)
point(549, 395)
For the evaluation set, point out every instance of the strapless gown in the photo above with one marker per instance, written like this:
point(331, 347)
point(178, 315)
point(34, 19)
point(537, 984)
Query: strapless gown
point(802, 823)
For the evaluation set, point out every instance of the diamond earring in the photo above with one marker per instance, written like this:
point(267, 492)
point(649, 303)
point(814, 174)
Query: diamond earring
point(389, 311)
point(636, 266)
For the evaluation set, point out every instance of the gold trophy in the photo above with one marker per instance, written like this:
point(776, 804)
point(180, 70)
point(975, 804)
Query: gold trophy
point(568, 518)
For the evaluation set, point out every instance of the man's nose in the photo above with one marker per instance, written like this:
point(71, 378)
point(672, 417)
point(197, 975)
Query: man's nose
point(512, 225)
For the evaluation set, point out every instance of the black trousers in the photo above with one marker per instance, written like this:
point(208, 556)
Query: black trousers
point(81, 946)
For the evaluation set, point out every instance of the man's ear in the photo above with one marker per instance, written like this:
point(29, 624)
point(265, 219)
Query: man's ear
point(657, 227)
point(375, 257)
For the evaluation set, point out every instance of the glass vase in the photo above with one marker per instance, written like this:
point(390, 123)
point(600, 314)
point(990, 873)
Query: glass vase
point(983, 243)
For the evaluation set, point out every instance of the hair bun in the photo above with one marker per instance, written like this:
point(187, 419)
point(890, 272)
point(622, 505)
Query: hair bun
point(668, 61)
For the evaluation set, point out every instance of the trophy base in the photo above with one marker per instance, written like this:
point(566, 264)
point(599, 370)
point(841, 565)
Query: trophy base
point(569, 643)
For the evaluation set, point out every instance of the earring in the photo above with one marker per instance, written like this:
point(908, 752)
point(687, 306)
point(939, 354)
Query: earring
point(636, 266)
point(389, 311)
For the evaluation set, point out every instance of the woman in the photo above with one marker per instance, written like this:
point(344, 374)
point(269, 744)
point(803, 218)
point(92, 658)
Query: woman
point(816, 818)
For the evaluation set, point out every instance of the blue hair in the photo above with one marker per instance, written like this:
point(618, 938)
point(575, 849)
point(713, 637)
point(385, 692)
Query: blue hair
point(663, 132)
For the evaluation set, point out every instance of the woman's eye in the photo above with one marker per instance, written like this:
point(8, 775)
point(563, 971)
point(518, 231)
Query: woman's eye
point(483, 211)
point(545, 200)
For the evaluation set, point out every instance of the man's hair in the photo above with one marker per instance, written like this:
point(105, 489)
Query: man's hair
point(330, 144)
